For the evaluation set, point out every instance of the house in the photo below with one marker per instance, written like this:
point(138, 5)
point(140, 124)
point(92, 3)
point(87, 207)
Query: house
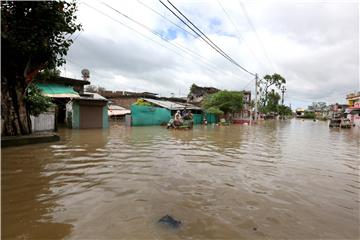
point(353, 113)
point(320, 109)
point(89, 110)
point(159, 112)
point(197, 93)
point(116, 112)
point(352, 98)
point(74, 107)
point(245, 114)
point(125, 99)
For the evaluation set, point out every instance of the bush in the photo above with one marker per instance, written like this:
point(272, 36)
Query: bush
point(310, 115)
point(36, 102)
point(142, 102)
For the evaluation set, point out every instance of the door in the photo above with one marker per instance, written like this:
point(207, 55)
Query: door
point(91, 116)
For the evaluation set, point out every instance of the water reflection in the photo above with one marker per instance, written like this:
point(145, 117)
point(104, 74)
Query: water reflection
point(26, 211)
point(275, 180)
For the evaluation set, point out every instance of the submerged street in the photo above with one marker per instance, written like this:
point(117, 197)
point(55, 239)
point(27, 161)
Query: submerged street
point(279, 179)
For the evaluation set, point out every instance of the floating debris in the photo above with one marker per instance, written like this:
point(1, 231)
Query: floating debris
point(170, 221)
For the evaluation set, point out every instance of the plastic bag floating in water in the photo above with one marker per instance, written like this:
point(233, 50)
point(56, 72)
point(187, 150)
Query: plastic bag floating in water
point(170, 221)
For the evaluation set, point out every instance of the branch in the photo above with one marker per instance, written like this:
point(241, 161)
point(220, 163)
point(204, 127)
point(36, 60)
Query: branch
point(30, 74)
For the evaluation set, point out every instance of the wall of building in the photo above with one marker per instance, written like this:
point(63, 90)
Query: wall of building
point(124, 101)
point(43, 122)
point(145, 116)
point(105, 116)
point(73, 114)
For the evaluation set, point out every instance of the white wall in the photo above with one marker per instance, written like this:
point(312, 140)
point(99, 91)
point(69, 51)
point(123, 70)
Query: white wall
point(43, 122)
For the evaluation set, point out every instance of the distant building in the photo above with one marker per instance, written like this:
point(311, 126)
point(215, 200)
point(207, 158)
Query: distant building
point(125, 99)
point(320, 109)
point(117, 112)
point(352, 98)
point(197, 93)
point(244, 114)
point(159, 112)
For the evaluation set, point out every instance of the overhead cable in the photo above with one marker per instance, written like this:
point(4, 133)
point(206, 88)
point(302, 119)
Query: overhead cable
point(203, 36)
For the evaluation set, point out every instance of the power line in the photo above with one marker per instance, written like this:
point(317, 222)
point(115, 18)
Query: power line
point(179, 46)
point(161, 15)
point(207, 40)
point(238, 32)
point(211, 42)
point(256, 34)
point(207, 60)
point(144, 35)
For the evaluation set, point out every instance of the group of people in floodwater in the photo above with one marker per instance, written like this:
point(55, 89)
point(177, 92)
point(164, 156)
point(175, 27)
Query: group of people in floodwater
point(180, 117)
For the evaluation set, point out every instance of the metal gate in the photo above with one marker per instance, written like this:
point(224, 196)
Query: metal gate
point(91, 116)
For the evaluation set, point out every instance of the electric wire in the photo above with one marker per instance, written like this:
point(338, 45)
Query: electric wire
point(252, 26)
point(238, 32)
point(203, 36)
point(179, 46)
point(167, 19)
point(212, 70)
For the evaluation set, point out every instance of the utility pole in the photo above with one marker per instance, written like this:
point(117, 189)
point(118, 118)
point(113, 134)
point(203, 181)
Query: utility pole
point(283, 89)
point(256, 101)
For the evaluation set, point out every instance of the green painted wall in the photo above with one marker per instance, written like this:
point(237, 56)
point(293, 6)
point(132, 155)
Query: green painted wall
point(105, 117)
point(198, 118)
point(144, 115)
point(211, 118)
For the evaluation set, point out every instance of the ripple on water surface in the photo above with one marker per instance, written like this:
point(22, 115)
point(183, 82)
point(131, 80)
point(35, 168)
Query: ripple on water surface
point(273, 180)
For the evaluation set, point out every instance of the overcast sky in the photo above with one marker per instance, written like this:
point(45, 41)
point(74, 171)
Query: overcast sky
point(313, 44)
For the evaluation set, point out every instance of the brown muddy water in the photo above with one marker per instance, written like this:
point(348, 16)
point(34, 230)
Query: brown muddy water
point(294, 180)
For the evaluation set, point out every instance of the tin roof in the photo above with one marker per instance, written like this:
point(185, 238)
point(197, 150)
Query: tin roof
point(57, 90)
point(115, 110)
point(172, 105)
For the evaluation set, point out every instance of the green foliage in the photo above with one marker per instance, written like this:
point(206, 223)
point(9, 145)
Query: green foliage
point(310, 115)
point(285, 110)
point(272, 103)
point(223, 102)
point(214, 110)
point(142, 102)
point(36, 34)
point(47, 74)
point(37, 103)
point(193, 87)
point(275, 80)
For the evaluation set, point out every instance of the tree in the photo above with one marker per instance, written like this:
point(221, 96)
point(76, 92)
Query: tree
point(223, 102)
point(272, 104)
point(34, 35)
point(284, 111)
point(36, 102)
point(91, 89)
point(95, 89)
point(265, 84)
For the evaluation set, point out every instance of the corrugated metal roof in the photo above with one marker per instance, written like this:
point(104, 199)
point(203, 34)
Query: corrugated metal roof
point(57, 90)
point(172, 105)
point(115, 110)
point(92, 96)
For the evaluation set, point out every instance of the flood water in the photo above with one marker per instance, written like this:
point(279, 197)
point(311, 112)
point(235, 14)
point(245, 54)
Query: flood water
point(292, 179)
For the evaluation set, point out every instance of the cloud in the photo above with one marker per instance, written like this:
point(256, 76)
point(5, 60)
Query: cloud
point(313, 44)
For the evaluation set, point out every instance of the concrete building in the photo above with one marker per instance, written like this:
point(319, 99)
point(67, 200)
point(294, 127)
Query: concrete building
point(353, 98)
point(74, 107)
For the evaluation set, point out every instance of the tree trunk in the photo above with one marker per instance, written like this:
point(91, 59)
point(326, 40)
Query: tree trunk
point(14, 115)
